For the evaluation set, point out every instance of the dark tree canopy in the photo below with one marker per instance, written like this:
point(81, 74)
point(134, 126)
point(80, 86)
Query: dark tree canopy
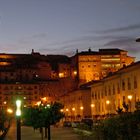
point(43, 115)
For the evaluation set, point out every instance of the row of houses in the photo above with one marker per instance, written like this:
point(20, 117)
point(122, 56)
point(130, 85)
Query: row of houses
point(105, 96)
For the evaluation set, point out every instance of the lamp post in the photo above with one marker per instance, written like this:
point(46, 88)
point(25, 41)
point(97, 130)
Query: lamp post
point(18, 115)
point(129, 99)
point(92, 106)
point(108, 108)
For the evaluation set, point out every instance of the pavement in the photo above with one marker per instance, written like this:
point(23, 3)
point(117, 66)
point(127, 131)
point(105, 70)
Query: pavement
point(28, 133)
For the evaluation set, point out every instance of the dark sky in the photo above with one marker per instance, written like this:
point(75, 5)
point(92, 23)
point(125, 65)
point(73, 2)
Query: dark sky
point(62, 26)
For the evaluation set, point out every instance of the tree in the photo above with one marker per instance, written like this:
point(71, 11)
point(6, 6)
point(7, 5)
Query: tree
point(43, 116)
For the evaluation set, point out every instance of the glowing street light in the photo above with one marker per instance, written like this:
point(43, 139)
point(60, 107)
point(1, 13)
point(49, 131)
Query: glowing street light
point(18, 114)
point(92, 105)
point(108, 108)
point(18, 105)
point(81, 107)
point(107, 102)
point(73, 109)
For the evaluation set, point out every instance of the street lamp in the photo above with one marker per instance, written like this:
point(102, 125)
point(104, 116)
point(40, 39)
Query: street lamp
point(18, 115)
point(108, 102)
point(92, 106)
point(129, 99)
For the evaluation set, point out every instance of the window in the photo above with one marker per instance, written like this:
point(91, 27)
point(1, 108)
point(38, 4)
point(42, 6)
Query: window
point(105, 92)
point(102, 94)
point(123, 85)
point(89, 66)
point(98, 95)
point(118, 88)
point(128, 84)
point(135, 82)
point(113, 89)
point(95, 96)
point(123, 98)
point(109, 91)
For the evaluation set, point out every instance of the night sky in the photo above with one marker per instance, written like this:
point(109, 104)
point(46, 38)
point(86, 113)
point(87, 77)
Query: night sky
point(62, 26)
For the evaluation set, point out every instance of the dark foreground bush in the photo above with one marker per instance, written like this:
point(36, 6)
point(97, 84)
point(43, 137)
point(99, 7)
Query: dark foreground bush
point(122, 127)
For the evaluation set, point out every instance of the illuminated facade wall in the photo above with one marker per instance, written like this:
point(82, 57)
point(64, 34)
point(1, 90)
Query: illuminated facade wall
point(109, 93)
point(28, 93)
point(89, 67)
point(77, 104)
point(96, 65)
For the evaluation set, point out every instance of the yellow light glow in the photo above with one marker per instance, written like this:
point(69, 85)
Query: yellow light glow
point(38, 103)
point(9, 110)
point(44, 99)
point(92, 105)
point(61, 75)
point(81, 107)
point(73, 109)
point(5, 102)
point(67, 109)
point(107, 102)
point(75, 72)
point(129, 97)
point(61, 110)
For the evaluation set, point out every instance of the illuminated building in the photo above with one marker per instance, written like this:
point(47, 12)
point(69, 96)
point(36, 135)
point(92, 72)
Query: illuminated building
point(33, 76)
point(77, 104)
point(93, 65)
point(120, 87)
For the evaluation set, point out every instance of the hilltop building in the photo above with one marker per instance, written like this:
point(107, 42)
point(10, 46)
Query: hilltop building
point(92, 65)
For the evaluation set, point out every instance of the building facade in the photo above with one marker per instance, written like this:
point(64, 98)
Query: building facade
point(93, 65)
point(112, 92)
point(77, 104)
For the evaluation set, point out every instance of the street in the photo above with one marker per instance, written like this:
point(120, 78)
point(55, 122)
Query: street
point(28, 133)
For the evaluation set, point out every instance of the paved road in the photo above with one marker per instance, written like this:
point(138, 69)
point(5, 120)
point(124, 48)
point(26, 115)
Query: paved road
point(27, 133)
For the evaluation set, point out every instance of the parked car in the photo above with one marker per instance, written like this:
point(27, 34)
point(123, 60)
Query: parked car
point(67, 124)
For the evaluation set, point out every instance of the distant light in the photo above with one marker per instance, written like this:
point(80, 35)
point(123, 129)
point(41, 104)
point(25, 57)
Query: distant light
point(5, 102)
point(107, 102)
point(61, 110)
point(67, 109)
point(48, 105)
point(75, 72)
point(61, 75)
point(38, 103)
point(92, 105)
point(129, 97)
point(9, 110)
point(44, 99)
point(73, 109)
point(81, 107)
point(24, 97)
